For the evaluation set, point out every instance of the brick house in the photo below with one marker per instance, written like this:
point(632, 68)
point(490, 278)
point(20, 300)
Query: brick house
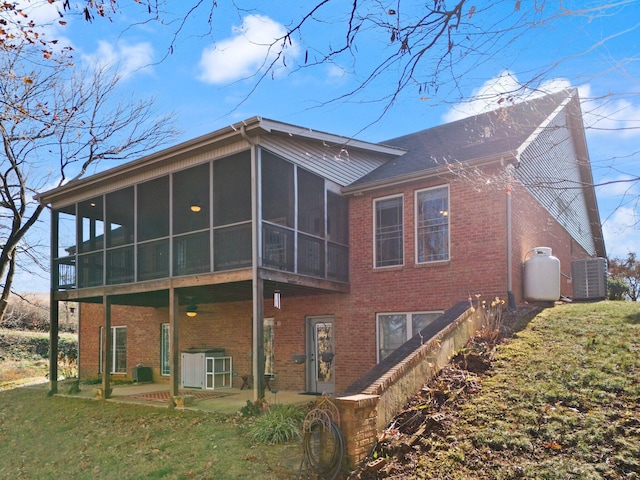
point(341, 249)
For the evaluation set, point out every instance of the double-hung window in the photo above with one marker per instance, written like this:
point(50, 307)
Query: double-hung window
point(394, 329)
point(388, 228)
point(165, 339)
point(118, 355)
point(432, 225)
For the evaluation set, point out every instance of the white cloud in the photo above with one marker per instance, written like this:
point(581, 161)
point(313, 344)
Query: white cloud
point(492, 94)
point(611, 116)
point(620, 186)
point(44, 15)
point(125, 58)
point(621, 233)
point(245, 52)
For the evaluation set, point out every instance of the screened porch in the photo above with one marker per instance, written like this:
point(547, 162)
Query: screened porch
point(199, 220)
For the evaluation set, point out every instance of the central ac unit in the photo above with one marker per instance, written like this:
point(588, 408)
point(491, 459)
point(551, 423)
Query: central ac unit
point(589, 279)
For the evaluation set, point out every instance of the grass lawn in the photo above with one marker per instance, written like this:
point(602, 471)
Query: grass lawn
point(62, 437)
point(562, 401)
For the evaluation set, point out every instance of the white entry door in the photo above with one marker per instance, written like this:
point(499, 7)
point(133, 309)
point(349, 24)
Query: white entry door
point(320, 353)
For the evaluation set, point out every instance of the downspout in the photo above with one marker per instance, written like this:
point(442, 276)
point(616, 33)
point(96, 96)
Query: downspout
point(257, 282)
point(510, 296)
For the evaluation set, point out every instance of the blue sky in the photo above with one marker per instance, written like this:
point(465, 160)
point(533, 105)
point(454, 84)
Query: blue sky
point(209, 76)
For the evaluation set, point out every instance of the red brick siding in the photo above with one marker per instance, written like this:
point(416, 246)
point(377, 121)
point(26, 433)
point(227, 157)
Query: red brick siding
point(533, 227)
point(477, 265)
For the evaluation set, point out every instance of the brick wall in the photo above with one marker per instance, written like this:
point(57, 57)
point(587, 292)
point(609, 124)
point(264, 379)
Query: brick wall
point(534, 227)
point(477, 265)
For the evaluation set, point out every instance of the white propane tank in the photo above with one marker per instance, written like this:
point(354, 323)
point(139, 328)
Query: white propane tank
point(542, 276)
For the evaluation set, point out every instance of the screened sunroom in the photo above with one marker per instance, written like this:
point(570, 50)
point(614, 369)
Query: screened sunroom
point(252, 210)
point(199, 220)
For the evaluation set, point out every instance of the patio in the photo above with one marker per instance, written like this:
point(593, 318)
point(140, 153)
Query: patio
point(225, 401)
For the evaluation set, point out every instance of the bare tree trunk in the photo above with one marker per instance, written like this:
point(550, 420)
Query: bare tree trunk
point(6, 291)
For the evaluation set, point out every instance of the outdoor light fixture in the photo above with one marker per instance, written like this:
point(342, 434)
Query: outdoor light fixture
point(192, 310)
point(195, 206)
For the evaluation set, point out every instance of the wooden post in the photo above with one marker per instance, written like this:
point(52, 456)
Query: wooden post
point(173, 347)
point(257, 282)
point(107, 354)
point(53, 345)
point(53, 309)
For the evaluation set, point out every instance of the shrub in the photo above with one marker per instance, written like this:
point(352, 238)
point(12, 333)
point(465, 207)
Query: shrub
point(278, 424)
point(617, 289)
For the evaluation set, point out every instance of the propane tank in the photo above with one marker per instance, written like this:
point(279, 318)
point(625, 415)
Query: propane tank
point(542, 276)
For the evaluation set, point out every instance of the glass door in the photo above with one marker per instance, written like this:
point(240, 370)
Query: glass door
point(320, 352)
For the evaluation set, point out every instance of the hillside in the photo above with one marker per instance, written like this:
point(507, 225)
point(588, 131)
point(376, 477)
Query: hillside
point(560, 399)
point(24, 355)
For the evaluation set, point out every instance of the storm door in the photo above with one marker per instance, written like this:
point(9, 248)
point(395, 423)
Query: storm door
point(320, 355)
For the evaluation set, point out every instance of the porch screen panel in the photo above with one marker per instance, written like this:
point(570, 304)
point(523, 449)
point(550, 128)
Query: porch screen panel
point(232, 212)
point(388, 232)
point(278, 198)
point(153, 260)
point(337, 237)
point(232, 189)
point(66, 248)
point(432, 225)
point(90, 270)
point(120, 217)
point(338, 262)
point(119, 208)
point(310, 203)
point(310, 255)
point(232, 247)
point(120, 265)
point(277, 247)
point(153, 209)
point(337, 218)
point(191, 199)
point(91, 225)
point(191, 254)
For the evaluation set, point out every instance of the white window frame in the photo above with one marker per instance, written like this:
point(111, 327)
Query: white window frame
point(114, 336)
point(409, 325)
point(165, 345)
point(269, 341)
point(376, 201)
point(417, 225)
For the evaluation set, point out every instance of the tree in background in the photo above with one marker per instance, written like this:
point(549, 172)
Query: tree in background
point(57, 122)
point(627, 270)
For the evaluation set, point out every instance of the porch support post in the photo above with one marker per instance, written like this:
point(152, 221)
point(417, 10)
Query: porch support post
point(257, 282)
point(53, 344)
point(173, 347)
point(53, 309)
point(106, 349)
point(258, 339)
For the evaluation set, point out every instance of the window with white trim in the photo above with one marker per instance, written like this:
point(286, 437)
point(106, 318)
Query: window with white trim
point(388, 227)
point(118, 355)
point(165, 366)
point(394, 329)
point(269, 336)
point(432, 224)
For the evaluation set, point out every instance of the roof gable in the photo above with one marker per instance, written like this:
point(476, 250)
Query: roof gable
point(491, 135)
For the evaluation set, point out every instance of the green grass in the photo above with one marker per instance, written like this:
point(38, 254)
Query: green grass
point(563, 401)
point(61, 437)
